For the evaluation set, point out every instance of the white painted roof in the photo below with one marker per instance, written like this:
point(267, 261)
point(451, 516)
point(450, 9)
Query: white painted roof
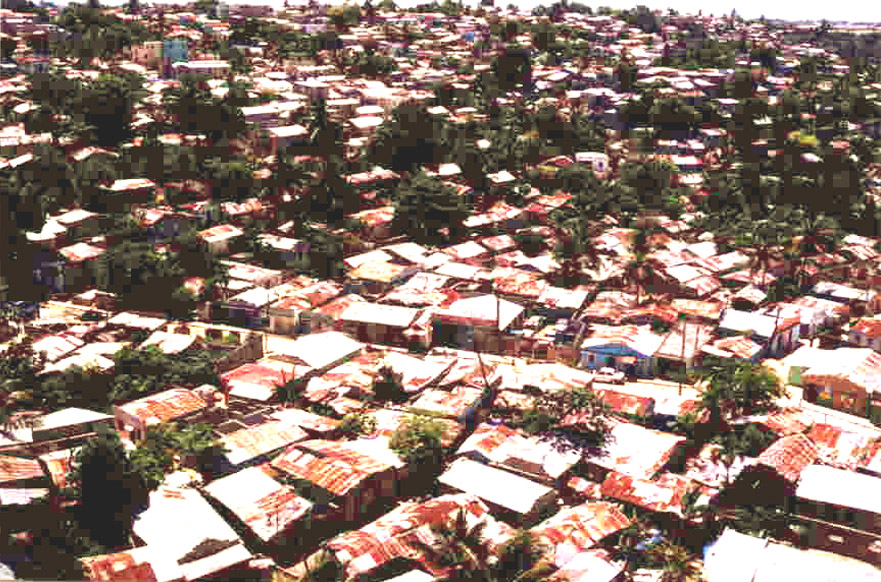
point(494, 485)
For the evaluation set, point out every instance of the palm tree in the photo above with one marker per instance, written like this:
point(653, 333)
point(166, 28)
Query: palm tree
point(463, 551)
point(679, 565)
point(459, 548)
point(639, 273)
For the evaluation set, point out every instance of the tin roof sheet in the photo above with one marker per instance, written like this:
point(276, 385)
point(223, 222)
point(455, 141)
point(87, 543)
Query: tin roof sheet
point(790, 455)
point(638, 338)
point(121, 567)
point(582, 526)
point(838, 447)
point(664, 494)
point(80, 252)
point(59, 464)
point(319, 350)
point(452, 403)
point(265, 505)
point(388, 420)
point(331, 465)
point(858, 366)
point(393, 535)
point(494, 485)
point(378, 271)
point(482, 310)
point(164, 406)
point(512, 449)
point(636, 451)
point(840, 487)
point(243, 445)
point(379, 314)
point(220, 232)
point(196, 523)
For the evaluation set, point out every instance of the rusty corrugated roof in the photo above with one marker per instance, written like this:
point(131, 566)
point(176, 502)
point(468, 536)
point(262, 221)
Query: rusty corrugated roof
point(17, 469)
point(117, 567)
point(328, 464)
point(248, 443)
point(583, 525)
point(790, 455)
point(838, 447)
point(662, 495)
point(165, 406)
point(393, 534)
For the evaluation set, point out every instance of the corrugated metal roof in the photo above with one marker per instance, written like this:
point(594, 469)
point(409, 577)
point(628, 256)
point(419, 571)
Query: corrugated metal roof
point(387, 421)
point(248, 443)
point(512, 449)
point(378, 314)
point(305, 419)
point(20, 496)
point(790, 455)
point(787, 422)
point(858, 366)
point(266, 506)
point(589, 566)
point(120, 567)
point(328, 464)
point(580, 527)
point(452, 403)
point(733, 347)
point(80, 252)
point(393, 534)
point(177, 521)
point(838, 447)
point(17, 469)
point(165, 406)
point(495, 485)
point(380, 272)
point(638, 338)
point(663, 494)
point(520, 283)
point(636, 451)
point(318, 350)
point(59, 464)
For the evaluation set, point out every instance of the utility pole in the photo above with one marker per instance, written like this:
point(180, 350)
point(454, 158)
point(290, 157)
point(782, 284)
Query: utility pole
point(683, 318)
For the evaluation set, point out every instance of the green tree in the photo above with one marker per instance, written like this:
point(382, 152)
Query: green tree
point(109, 488)
point(459, 547)
point(738, 389)
point(578, 415)
point(678, 564)
point(418, 440)
point(356, 424)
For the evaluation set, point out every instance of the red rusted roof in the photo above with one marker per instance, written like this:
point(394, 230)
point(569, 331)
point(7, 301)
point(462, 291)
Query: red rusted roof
point(871, 328)
point(248, 443)
point(663, 494)
point(120, 566)
point(266, 506)
point(392, 535)
point(451, 403)
point(790, 455)
point(786, 422)
point(583, 525)
point(626, 403)
point(59, 464)
point(587, 489)
point(165, 406)
point(333, 467)
point(14, 469)
point(838, 447)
